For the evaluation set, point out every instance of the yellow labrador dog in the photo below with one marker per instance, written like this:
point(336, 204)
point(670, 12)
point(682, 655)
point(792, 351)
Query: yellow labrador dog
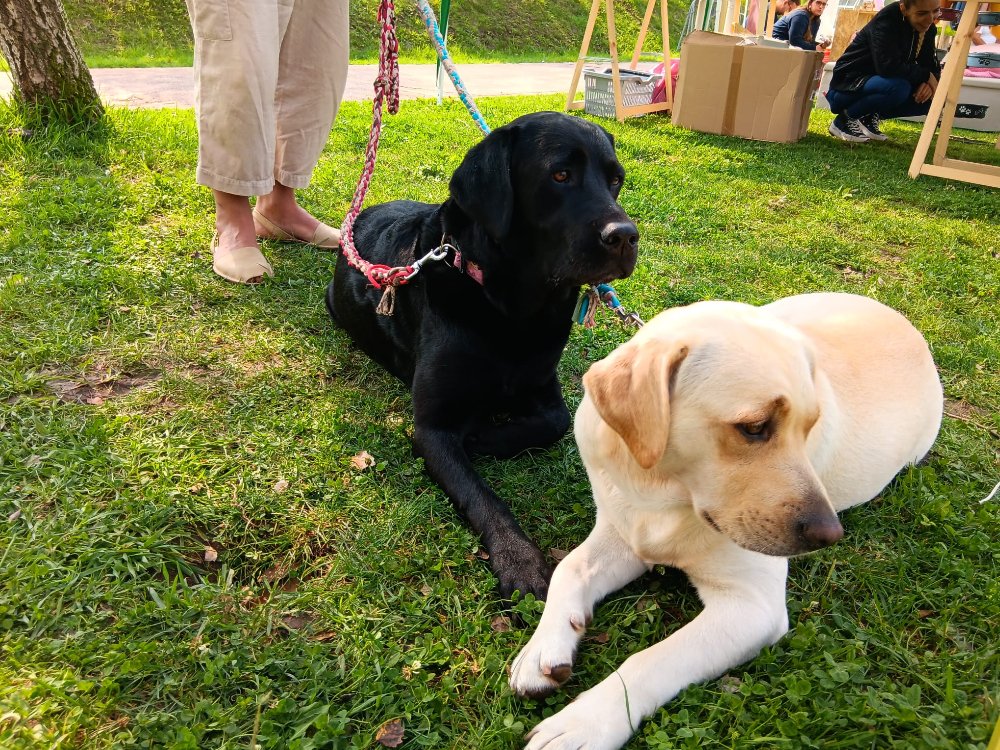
point(722, 439)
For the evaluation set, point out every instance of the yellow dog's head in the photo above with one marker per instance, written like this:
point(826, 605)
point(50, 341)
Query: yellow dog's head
point(723, 399)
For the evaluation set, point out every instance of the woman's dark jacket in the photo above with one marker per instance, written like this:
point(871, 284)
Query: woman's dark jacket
point(792, 28)
point(886, 47)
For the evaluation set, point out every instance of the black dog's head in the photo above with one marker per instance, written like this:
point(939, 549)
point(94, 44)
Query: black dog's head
point(546, 188)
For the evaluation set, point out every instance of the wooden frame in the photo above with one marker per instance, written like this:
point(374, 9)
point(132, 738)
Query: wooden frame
point(621, 110)
point(849, 22)
point(772, 16)
point(727, 19)
point(943, 106)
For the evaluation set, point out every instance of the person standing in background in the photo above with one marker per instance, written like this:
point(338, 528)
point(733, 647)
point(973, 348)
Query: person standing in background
point(269, 79)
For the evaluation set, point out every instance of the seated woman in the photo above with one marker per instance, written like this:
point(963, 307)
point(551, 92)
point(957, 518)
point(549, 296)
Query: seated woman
point(889, 70)
point(799, 27)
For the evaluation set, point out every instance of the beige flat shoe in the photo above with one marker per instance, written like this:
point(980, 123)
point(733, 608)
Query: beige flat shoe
point(325, 236)
point(243, 265)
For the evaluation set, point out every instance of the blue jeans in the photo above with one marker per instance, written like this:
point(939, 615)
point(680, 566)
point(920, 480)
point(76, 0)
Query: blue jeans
point(886, 97)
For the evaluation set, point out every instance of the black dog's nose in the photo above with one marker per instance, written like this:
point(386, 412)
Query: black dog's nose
point(620, 237)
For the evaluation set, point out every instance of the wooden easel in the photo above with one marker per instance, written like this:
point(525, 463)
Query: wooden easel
point(772, 16)
point(621, 109)
point(943, 106)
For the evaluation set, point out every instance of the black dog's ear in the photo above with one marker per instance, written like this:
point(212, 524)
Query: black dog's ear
point(482, 186)
point(611, 138)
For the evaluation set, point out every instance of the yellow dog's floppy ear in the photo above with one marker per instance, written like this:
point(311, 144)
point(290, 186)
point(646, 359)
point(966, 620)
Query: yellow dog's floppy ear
point(631, 390)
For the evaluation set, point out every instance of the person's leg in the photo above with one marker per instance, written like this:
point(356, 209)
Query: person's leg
point(312, 74)
point(840, 100)
point(878, 95)
point(842, 126)
point(236, 68)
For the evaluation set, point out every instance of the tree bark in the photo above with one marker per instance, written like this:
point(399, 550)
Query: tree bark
point(46, 66)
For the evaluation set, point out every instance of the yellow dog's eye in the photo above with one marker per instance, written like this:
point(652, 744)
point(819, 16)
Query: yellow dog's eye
point(755, 430)
point(561, 176)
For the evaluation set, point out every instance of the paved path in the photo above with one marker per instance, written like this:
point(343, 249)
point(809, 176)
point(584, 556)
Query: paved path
point(174, 87)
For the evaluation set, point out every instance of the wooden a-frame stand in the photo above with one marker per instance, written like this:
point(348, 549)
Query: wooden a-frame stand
point(943, 106)
point(623, 110)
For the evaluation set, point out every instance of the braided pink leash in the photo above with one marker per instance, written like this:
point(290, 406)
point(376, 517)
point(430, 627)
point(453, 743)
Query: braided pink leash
point(386, 87)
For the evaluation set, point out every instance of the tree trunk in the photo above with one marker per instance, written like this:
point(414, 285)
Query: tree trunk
point(48, 70)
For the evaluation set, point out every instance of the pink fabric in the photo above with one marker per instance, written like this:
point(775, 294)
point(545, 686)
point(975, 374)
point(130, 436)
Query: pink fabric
point(982, 73)
point(750, 22)
point(660, 92)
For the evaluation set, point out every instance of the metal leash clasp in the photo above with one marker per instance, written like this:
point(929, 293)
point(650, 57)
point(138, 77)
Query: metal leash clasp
point(610, 298)
point(628, 318)
point(438, 253)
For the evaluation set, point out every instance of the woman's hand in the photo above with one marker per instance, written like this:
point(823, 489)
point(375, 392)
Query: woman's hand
point(923, 93)
point(925, 90)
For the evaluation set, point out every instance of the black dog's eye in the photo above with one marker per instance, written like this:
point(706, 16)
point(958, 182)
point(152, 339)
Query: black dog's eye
point(561, 176)
point(755, 430)
point(616, 180)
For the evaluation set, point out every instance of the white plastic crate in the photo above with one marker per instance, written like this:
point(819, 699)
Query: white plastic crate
point(599, 90)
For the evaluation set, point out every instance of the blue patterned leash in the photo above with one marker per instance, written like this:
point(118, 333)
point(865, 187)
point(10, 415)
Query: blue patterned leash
point(430, 21)
point(586, 308)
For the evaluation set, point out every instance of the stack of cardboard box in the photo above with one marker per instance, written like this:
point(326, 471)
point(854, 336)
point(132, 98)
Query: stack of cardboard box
point(747, 87)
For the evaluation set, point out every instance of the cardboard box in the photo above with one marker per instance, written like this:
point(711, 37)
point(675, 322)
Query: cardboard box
point(731, 86)
point(849, 22)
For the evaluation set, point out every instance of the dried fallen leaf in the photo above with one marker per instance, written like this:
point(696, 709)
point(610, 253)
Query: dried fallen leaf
point(390, 734)
point(482, 554)
point(33, 461)
point(500, 624)
point(426, 590)
point(95, 401)
point(281, 485)
point(362, 461)
point(325, 635)
point(730, 684)
point(275, 573)
point(14, 516)
point(557, 554)
point(294, 622)
point(210, 554)
point(600, 638)
point(924, 613)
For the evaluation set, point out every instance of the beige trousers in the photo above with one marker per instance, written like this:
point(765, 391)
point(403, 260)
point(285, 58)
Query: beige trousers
point(269, 77)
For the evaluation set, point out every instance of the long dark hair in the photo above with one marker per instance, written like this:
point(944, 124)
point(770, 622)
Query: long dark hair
point(808, 35)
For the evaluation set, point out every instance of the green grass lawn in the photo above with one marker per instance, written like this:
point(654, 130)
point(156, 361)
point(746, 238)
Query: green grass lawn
point(145, 33)
point(151, 413)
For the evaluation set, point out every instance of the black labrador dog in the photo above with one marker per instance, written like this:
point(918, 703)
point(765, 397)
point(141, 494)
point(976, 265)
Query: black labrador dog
point(532, 215)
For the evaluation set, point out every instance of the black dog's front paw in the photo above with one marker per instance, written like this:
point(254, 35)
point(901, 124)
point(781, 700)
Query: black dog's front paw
point(523, 569)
